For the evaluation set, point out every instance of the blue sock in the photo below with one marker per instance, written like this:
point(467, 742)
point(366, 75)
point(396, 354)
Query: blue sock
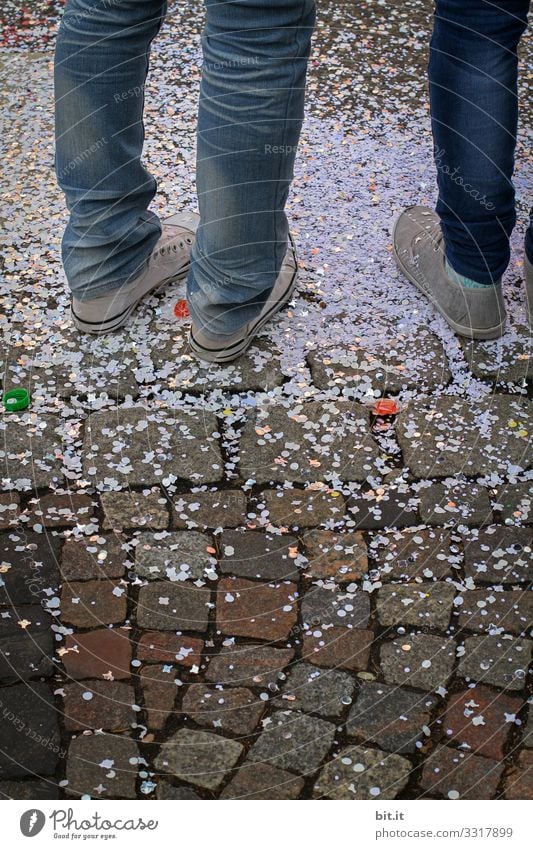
point(465, 282)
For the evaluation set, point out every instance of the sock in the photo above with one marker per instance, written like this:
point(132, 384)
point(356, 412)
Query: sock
point(466, 282)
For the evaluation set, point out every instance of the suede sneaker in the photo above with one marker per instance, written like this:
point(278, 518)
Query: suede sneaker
point(419, 253)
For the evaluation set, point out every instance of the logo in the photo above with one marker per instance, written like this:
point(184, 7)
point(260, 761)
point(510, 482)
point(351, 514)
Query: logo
point(32, 822)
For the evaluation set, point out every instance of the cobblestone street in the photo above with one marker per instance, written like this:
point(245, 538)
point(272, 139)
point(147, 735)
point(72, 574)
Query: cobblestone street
point(250, 581)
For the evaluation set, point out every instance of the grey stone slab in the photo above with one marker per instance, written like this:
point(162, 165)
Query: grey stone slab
point(505, 360)
point(455, 503)
point(392, 717)
point(447, 436)
point(423, 661)
point(165, 790)
point(165, 606)
point(390, 508)
point(176, 556)
point(251, 554)
point(359, 773)
point(294, 741)
point(147, 509)
point(322, 607)
point(102, 766)
point(306, 442)
point(297, 508)
point(30, 742)
point(26, 649)
point(388, 368)
point(263, 781)
point(484, 610)
point(29, 572)
point(427, 554)
point(498, 554)
point(103, 556)
point(131, 446)
point(198, 757)
point(312, 690)
point(249, 665)
point(513, 502)
point(499, 660)
point(31, 444)
point(207, 509)
point(45, 789)
point(422, 604)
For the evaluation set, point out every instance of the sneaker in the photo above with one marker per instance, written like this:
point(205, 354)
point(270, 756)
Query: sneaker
point(169, 260)
point(419, 254)
point(528, 277)
point(236, 344)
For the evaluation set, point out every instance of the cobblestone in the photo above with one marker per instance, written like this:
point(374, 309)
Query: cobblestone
point(479, 719)
point(26, 645)
point(98, 557)
point(345, 648)
point(428, 555)
point(249, 665)
point(9, 509)
point(30, 742)
point(30, 572)
point(294, 741)
point(102, 766)
point(323, 607)
point(423, 604)
point(236, 710)
point(159, 689)
point(206, 509)
point(498, 554)
point(95, 654)
point(456, 503)
point(359, 773)
point(342, 557)
point(519, 781)
point(147, 509)
point(263, 781)
point(32, 444)
point(154, 646)
point(249, 554)
point(418, 660)
point(497, 660)
point(260, 611)
point(312, 690)
point(447, 770)
point(484, 610)
point(59, 511)
point(88, 604)
point(390, 716)
point(388, 508)
point(165, 606)
point(198, 757)
point(178, 556)
point(97, 704)
point(301, 508)
point(513, 502)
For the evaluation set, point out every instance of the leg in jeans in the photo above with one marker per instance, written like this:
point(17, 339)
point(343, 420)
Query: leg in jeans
point(101, 63)
point(473, 89)
point(251, 112)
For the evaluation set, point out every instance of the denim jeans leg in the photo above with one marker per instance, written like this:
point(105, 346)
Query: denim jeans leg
point(101, 62)
point(474, 109)
point(250, 117)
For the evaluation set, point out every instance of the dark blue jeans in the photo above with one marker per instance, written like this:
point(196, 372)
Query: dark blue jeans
point(474, 109)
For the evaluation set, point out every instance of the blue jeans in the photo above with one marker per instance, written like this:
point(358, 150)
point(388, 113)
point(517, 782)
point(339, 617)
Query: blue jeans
point(250, 116)
point(474, 109)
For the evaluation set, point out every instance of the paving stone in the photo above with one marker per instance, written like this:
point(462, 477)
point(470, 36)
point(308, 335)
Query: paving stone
point(519, 781)
point(427, 555)
point(45, 789)
point(29, 567)
point(248, 665)
point(31, 447)
point(457, 502)
point(198, 757)
point(159, 689)
point(30, 742)
point(178, 556)
point(250, 554)
point(402, 661)
point(88, 604)
point(312, 690)
point(447, 436)
point(154, 646)
point(226, 509)
point(425, 604)
point(234, 710)
point(480, 720)
point(344, 648)
point(496, 660)
point(513, 503)
point(9, 509)
point(101, 556)
point(447, 770)
point(388, 367)
point(390, 716)
point(263, 781)
point(311, 440)
point(386, 508)
point(504, 360)
point(294, 741)
point(301, 508)
point(498, 554)
point(95, 654)
point(342, 557)
point(147, 509)
point(359, 773)
point(165, 790)
point(484, 610)
point(260, 611)
point(107, 705)
point(258, 369)
point(138, 447)
point(59, 511)
point(527, 737)
point(103, 766)
point(322, 607)
point(164, 606)
point(25, 649)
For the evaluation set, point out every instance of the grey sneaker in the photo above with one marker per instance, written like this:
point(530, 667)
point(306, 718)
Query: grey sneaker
point(528, 277)
point(240, 341)
point(169, 260)
point(419, 253)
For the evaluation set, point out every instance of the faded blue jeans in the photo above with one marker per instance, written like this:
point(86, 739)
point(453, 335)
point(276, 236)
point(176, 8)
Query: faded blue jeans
point(251, 110)
point(473, 72)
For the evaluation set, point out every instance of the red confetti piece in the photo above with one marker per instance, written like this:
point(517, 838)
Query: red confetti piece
point(181, 310)
point(385, 408)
